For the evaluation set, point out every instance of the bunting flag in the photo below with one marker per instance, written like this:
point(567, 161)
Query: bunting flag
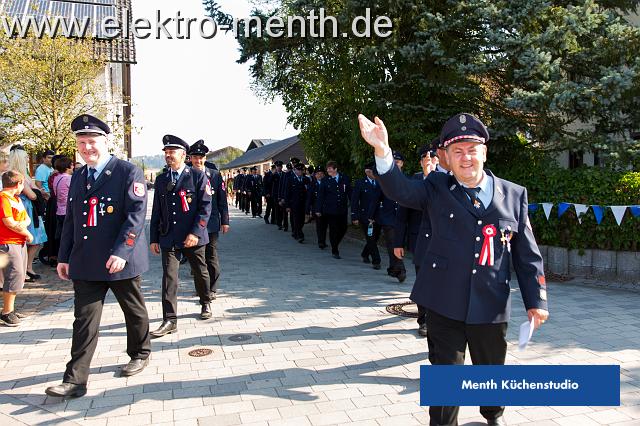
point(618, 212)
point(580, 210)
point(598, 212)
point(563, 207)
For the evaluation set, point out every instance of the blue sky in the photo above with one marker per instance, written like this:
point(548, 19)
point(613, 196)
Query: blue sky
point(194, 88)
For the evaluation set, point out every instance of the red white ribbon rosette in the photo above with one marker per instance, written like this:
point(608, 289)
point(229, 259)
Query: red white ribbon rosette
point(185, 204)
point(92, 220)
point(486, 254)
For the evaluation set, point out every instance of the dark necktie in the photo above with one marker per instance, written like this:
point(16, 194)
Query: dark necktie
point(473, 195)
point(92, 176)
point(174, 176)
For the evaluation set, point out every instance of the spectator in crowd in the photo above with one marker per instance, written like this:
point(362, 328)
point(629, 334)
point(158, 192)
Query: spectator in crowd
point(77, 166)
point(43, 171)
point(4, 165)
point(61, 184)
point(18, 161)
point(13, 235)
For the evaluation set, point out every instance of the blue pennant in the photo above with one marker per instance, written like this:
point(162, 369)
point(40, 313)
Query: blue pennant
point(533, 207)
point(635, 210)
point(598, 212)
point(563, 207)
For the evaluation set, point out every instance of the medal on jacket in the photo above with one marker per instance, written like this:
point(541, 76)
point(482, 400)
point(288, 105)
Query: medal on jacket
point(185, 202)
point(486, 254)
point(506, 239)
point(92, 220)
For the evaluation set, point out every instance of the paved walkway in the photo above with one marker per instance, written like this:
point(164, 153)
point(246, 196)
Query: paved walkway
point(321, 348)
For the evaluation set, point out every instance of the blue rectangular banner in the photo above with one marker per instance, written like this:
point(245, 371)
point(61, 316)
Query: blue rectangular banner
point(528, 385)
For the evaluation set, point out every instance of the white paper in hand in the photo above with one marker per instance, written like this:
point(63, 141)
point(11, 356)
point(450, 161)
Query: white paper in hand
point(526, 331)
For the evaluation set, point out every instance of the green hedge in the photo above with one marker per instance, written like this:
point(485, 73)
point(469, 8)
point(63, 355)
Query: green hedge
point(546, 182)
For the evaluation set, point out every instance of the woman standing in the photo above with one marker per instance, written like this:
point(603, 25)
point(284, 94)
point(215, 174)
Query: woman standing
point(18, 161)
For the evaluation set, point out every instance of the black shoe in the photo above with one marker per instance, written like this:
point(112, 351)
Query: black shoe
point(402, 275)
point(498, 421)
point(266, 221)
point(301, 240)
point(422, 330)
point(167, 327)
point(66, 390)
point(336, 256)
point(322, 246)
point(206, 312)
point(279, 228)
point(29, 280)
point(366, 260)
point(376, 266)
point(285, 229)
point(392, 273)
point(10, 319)
point(134, 366)
point(33, 276)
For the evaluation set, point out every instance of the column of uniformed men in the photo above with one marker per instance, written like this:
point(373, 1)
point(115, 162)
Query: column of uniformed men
point(465, 226)
point(103, 245)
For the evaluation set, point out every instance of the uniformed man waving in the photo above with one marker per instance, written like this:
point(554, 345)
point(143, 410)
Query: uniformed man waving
point(181, 211)
point(480, 226)
point(102, 247)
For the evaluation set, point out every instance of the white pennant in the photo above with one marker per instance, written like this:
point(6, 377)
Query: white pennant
point(618, 212)
point(547, 209)
point(580, 210)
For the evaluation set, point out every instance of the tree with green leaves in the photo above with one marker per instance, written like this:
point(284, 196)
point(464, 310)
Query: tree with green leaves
point(554, 75)
point(44, 84)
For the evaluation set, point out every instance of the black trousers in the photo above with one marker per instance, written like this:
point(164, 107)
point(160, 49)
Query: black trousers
point(269, 212)
point(297, 222)
point(170, 265)
point(396, 265)
point(213, 263)
point(422, 311)
point(371, 246)
point(256, 205)
point(237, 201)
point(448, 340)
point(337, 224)
point(321, 230)
point(89, 300)
point(282, 217)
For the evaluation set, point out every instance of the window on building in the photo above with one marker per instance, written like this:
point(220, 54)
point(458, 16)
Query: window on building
point(575, 159)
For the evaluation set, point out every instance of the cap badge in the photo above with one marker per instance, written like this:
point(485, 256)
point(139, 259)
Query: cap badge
point(463, 118)
point(85, 118)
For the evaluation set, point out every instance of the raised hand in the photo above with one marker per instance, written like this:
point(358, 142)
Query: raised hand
point(375, 134)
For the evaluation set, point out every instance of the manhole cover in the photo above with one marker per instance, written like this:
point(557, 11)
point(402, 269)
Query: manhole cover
point(240, 338)
point(404, 309)
point(197, 353)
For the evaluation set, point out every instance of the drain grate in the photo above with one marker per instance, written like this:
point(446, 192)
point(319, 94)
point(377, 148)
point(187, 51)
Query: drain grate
point(404, 309)
point(240, 337)
point(197, 353)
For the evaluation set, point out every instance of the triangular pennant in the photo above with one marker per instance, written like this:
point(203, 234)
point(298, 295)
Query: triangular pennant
point(547, 209)
point(563, 207)
point(533, 207)
point(635, 210)
point(598, 212)
point(580, 210)
point(618, 212)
